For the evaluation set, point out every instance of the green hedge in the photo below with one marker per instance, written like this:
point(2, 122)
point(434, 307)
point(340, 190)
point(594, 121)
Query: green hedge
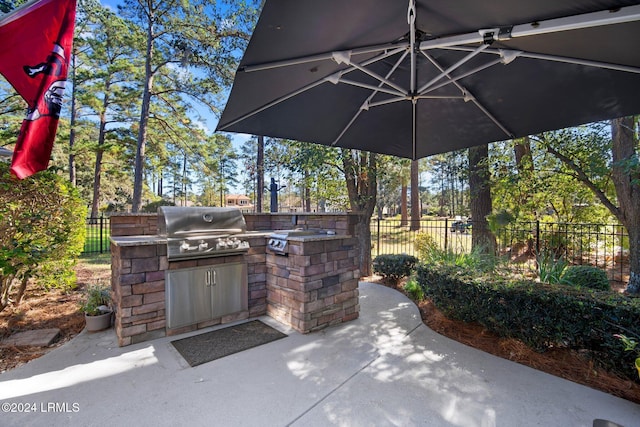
point(542, 316)
point(394, 267)
point(586, 276)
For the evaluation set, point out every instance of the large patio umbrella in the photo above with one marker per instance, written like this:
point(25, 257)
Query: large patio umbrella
point(429, 76)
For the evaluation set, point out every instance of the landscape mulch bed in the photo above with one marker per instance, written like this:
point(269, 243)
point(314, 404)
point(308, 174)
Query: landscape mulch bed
point(39, 310)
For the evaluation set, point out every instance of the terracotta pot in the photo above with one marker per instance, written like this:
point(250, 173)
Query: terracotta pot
point(99, 322)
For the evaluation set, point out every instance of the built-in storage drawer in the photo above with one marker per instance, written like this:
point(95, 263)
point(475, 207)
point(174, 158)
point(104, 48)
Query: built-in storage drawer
point(195, 295)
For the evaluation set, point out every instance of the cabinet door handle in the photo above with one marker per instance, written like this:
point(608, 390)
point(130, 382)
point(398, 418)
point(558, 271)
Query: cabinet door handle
point(207, 279)
point(215, 280)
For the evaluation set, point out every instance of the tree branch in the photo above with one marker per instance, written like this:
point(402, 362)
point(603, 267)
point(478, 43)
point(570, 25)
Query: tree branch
point(582, 177)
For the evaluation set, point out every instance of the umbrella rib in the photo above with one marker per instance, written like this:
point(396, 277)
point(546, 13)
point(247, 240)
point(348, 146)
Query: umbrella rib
point(334, 78)
point(468, 96)
point(369, 98)
point(372, 87)
point(458, 64)
point(557, 58)
point(378, 77)
point(274, 102)
point(386, 101)
point(322, 57)
point(585, 62)
point(461, 76)
point(407, 98)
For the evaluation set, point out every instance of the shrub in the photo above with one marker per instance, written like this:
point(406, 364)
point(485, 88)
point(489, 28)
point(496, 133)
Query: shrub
point(42, 226)
point(394, 267)
point(586, 276)
point(413, 289)
point(540, 315)
point(153, 206)
point(430, 253)
point(426, 246)
point(550, 267)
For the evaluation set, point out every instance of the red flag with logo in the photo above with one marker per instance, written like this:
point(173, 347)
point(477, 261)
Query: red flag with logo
point(36, 45)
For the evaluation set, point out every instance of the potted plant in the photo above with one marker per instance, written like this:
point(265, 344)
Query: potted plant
point(97, 307)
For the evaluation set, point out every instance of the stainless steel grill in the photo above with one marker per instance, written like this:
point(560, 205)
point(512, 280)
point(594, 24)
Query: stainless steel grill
point(199, 232)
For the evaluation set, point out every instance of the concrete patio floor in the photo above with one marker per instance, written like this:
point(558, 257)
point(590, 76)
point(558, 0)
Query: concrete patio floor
point(384, 369)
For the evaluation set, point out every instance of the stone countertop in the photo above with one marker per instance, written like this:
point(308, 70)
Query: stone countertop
point(143, 240)
point(138, 240)
point(252, 234)
point(317, 237)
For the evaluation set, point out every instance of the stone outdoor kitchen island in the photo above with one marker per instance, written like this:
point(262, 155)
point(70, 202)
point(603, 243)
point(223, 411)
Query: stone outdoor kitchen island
point(316, 285)
point(313, 286)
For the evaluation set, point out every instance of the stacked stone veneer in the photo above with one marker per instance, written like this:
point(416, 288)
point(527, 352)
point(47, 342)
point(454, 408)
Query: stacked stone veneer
point(316, 285)
point(139, 262)
point(134, 225)
point(342, 224)
point(137, 285)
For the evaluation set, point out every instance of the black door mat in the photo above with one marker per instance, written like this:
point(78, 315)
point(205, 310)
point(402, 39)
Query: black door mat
point(213, 345)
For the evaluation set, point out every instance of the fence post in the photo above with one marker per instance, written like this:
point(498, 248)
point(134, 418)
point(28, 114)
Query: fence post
point(446, 233)
point(101, 217)
point(378, 236)
point(537, 237)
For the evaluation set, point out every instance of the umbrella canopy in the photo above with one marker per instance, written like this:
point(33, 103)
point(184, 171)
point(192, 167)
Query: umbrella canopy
point(432, 76)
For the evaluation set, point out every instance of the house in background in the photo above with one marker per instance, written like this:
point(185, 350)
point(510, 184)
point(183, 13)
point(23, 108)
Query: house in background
point(240, 201)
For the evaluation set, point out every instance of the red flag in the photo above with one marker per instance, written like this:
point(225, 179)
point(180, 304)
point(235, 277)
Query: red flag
point(36, 45)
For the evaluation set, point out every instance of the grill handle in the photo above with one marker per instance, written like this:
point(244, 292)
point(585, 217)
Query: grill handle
point(210, 278)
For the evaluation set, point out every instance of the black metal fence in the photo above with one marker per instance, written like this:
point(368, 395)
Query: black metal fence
point(602, 245)
point(97, 235)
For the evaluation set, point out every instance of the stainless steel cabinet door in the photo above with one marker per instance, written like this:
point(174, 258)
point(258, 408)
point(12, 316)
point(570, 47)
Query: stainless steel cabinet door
point(199, 294)
point(188, 297)
point(229, 289)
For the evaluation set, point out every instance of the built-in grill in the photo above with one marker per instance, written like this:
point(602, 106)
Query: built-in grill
point(199, 232)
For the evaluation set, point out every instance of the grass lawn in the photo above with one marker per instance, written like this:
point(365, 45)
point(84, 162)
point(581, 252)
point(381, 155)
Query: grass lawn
point(97, 239)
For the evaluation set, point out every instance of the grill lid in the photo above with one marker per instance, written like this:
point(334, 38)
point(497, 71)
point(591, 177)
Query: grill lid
point(199, 232)
point(177, 221)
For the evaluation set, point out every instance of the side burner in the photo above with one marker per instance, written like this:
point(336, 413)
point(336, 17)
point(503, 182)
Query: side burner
point(277, 242)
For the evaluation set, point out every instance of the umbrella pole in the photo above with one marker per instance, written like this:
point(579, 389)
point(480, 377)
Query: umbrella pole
point(411, 19)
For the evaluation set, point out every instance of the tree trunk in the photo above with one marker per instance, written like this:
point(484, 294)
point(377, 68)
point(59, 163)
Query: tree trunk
point(360, 175)
point(479, 186)
point(97, 173)
point(442, 196)
point(415, 197)
point(260, 173)
point(626, 179)
point(522, 152)
point(307, 194)
point(144, 118)
point(404, 216)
